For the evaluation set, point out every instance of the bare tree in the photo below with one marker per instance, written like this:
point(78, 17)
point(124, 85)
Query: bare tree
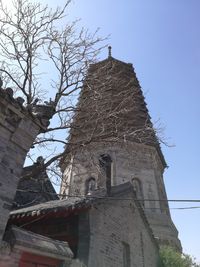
point(44, 57)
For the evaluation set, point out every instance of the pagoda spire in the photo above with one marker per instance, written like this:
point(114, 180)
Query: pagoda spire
point(109, 51)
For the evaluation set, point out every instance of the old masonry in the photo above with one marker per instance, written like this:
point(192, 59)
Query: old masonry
point(113, 211)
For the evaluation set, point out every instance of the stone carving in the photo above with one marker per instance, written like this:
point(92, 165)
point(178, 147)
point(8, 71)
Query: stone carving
point(43, 112)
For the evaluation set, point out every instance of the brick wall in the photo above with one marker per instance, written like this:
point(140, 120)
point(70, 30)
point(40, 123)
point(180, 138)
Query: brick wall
point(18, 129)
point(114, 223)
point(129, 160)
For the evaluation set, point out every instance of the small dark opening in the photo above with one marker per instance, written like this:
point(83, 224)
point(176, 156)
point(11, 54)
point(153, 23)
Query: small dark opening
point(90, 185)
point(106, 165)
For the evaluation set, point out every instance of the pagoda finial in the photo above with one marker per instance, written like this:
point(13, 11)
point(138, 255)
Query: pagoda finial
point(109, 51)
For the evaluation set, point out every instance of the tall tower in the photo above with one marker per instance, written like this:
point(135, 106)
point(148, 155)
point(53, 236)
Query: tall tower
point(112, 141)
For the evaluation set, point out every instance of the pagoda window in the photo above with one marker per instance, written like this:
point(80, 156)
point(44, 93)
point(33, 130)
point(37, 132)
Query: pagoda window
point(90, 185)
point(106, 166)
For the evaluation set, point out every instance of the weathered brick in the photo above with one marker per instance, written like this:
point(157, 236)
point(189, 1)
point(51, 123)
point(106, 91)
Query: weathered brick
point(18, 129)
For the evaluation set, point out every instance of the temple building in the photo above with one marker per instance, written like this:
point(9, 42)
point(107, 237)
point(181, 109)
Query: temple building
point(112, 142)
point(112, 210)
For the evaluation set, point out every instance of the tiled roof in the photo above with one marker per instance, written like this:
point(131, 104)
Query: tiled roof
point(7, 94)
point(44, 245)
point(75, 204)
point(71, 203)
point(33, 188)
point(42, 112)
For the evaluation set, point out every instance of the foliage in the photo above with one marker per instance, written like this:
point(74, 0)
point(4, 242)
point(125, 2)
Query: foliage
point(171, 258)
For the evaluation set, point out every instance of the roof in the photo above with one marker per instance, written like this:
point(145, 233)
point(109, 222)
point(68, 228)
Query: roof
point(78, 204)
point(34, 187)
point(37, 243)
point(7, 94)
point(40, 113)
point(69, 204)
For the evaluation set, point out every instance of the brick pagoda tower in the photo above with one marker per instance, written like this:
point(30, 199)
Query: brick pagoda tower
point(112, 141)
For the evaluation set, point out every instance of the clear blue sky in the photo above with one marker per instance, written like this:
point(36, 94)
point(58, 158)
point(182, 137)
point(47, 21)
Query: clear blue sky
point(162, 40)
